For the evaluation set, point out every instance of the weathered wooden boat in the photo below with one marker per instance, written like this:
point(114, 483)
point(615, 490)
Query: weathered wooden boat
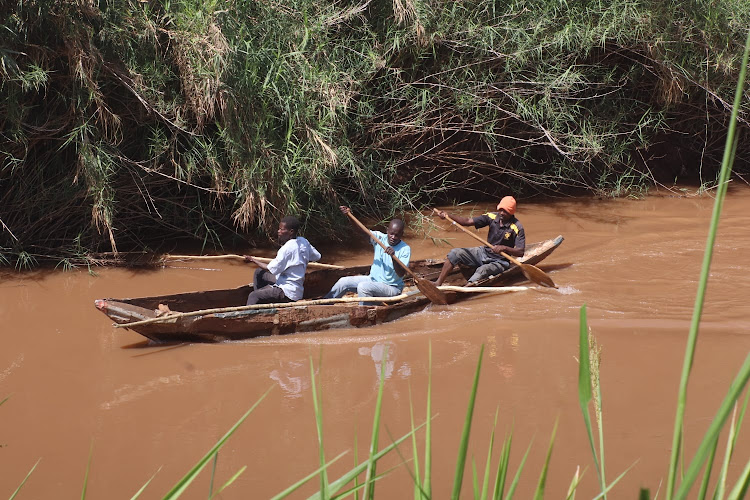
point(188, 325)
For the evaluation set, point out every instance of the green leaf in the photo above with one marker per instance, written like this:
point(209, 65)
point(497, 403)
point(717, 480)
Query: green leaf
point(539, 495)
point(291, 489)
point(584, 382)
point(502, 467)
point(86, 476)
point(714, 429)
point(319, 427)
point(724, 174)
point(464, 444)
point(371, 462)
point(517, 477)
point(24, 480)
point(486, 479)
point(183, 483)
point(143, 488)
point(336, 485)
point(231, 480)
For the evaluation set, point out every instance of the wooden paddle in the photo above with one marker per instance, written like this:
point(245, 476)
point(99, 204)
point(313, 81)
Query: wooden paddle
point(532, 273)
point(315, 265)
point(428, 288)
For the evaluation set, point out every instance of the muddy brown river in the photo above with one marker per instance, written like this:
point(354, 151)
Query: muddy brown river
point(76, 385)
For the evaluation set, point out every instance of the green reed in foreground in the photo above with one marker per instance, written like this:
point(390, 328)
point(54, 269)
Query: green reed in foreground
point(738, 385)
point(590, 389)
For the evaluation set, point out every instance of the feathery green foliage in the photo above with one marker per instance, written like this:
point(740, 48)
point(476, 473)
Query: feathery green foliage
point(135, 126)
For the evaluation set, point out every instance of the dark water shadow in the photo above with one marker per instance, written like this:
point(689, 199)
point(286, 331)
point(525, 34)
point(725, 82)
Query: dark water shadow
point(554, 267)
point(37, 274)
point(154, 348)
point(137, 345)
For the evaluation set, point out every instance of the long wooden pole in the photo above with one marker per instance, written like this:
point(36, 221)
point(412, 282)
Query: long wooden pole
point(316, 265)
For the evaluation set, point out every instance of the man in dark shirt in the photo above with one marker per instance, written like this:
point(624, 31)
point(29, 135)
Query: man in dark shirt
point(505, 234)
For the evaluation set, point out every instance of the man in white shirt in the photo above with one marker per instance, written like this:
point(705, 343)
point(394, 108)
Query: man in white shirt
point(281, 280)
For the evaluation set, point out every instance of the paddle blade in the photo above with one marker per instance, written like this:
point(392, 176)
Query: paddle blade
point(431, 291)
point(536, 275)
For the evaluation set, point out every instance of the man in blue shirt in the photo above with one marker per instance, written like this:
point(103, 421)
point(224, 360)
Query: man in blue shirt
point(385, 278)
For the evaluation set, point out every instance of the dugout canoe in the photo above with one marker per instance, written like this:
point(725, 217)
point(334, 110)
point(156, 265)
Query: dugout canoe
point(303, 316)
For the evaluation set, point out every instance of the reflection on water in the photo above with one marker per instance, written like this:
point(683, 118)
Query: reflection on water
point(14, 364)
point(293, 377)
point(378, 352)
point(635, 263)
point(387, 351)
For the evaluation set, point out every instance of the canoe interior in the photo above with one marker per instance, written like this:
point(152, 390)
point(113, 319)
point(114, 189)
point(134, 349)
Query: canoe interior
point(317, 284)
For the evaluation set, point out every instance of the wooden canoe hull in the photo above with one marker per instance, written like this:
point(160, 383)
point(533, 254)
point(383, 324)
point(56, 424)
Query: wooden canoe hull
point(279, 321)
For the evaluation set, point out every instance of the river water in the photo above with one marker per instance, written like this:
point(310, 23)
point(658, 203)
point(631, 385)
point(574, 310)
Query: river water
point(78, 386)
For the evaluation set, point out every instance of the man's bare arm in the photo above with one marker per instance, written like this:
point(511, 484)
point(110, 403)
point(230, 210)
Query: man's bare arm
point(464, 221)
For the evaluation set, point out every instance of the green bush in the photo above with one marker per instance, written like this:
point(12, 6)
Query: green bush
point(138, 126)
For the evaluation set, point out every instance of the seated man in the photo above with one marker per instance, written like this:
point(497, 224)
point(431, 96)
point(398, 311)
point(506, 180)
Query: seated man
point(505, 234)
point(385, 278)
point(281, 279)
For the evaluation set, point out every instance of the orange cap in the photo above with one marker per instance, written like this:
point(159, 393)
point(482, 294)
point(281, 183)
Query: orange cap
point(508, 204)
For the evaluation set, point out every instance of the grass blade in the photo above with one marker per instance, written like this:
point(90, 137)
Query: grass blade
point(731, 442)
point(574, 484)
point(707, 472)
point(502, 468)
point(712, 434)
point(231, 480)
point(539, 495)
point(418, 491)
point(740, 489)
point(319, 428)
point(369, 483)
point(464, 445)
point(594, 358)
point(339, 483)
point(179, 488)
point(726, 168)
point(721, 483)
point(86, 476)
point(584, 384)
point(356, 463)
point(474, 479)
point(291, 489)
point(603, 494)
point(24, 479)
point(486, 480)
point(427, 484)
point(354, 489)
point(213, 474)
point(517, 477)
point(143, 488)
